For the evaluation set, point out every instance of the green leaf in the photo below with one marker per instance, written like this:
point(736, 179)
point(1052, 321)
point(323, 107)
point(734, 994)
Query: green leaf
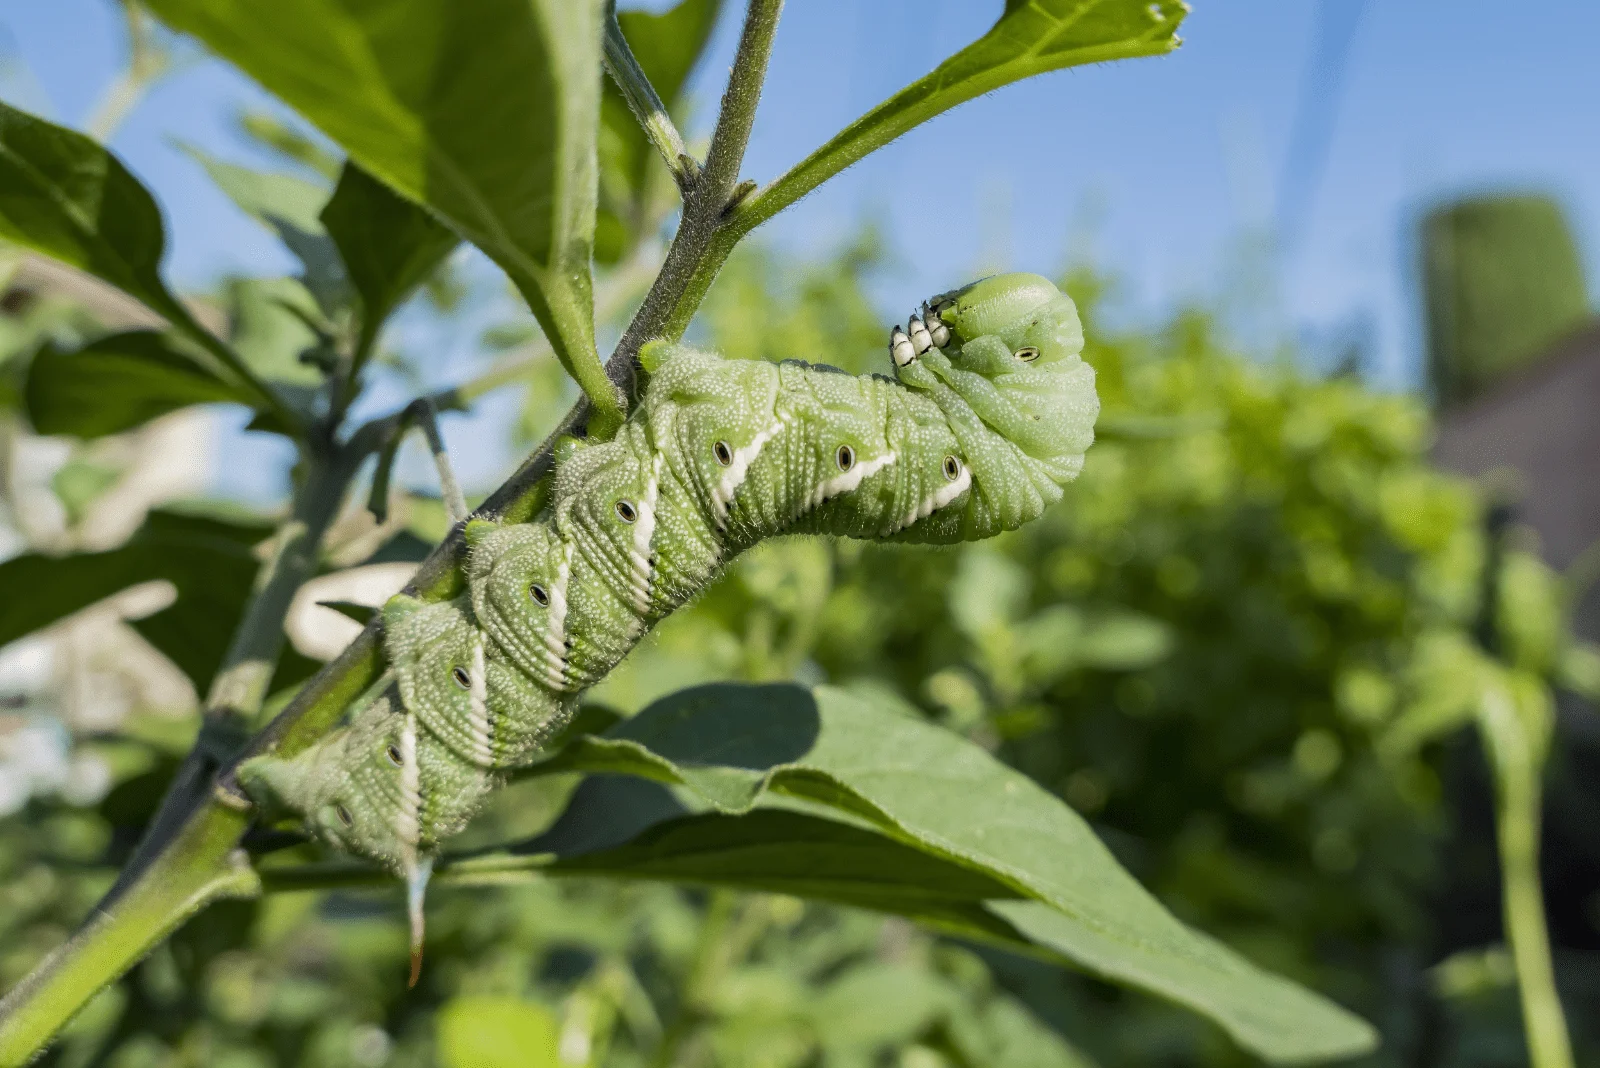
point(936, 793)
point(117, 383)
point(1031, 37)
point(270, 321)
point(65, 196)
point(496, 1032)
point(272, 132)
point(210, 561)
point(288, 207)
point(389, 246)
point(361, 613)
point(668, 46)
point(773, 850)
point(483, 111)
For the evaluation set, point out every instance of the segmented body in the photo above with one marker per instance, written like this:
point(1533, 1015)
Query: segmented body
point(968, 440)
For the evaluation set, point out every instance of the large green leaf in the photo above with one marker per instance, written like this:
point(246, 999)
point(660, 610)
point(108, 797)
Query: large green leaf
point(1031, 37)
point(933, 792)
point(118, 382)
point(485, 111)
point(667, 45)
point(389, 245)
point(209, 560)
point(65, 196)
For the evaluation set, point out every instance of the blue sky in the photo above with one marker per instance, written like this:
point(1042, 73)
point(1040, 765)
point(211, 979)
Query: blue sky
point(1163, 166)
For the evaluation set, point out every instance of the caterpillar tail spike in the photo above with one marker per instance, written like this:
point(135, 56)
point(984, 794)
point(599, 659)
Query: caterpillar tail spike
point(986, 419)
point(421, 870)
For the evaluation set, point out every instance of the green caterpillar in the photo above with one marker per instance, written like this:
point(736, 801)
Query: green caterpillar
point(989, 417)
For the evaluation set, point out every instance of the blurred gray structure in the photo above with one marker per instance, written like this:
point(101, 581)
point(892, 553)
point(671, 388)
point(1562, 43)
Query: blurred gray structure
point(1534, 438)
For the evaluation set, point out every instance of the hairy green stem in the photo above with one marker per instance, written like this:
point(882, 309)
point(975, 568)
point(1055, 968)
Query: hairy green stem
point(707, 200)
point(645, 103)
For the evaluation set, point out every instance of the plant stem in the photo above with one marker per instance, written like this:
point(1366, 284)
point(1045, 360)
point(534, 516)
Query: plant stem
point(1516, 737)
point(707, 200)
point(147, 62)
point(1517, 821)
point(645, 103)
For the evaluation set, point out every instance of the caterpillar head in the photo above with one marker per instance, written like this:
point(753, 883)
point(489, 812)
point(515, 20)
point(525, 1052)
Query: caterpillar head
point(1037, 322)
point(1001, 359)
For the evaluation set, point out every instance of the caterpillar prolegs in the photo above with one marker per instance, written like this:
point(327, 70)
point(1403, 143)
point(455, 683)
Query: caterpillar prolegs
point(988, 416)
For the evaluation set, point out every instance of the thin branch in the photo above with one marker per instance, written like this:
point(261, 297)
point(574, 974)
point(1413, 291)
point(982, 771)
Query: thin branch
point(705, 206)
point(645, 104)
point(423, 414)
point(1518, 805)
point(743, 94)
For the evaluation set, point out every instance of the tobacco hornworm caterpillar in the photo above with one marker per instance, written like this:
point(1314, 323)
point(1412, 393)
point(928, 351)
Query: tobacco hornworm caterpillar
point(988, 417)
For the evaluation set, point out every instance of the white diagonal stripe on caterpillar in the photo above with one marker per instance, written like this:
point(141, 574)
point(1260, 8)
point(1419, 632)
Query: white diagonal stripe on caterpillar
point(478, 703)
point(408, 816)
point(846, 481)
point(936, 500)
point(555, 635)
point(728, 485)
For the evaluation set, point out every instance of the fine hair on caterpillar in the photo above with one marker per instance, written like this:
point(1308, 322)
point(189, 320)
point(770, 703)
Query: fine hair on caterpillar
point(987, 417)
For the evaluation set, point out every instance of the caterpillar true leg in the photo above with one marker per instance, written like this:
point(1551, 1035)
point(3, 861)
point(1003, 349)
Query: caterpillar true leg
point(901, 349)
